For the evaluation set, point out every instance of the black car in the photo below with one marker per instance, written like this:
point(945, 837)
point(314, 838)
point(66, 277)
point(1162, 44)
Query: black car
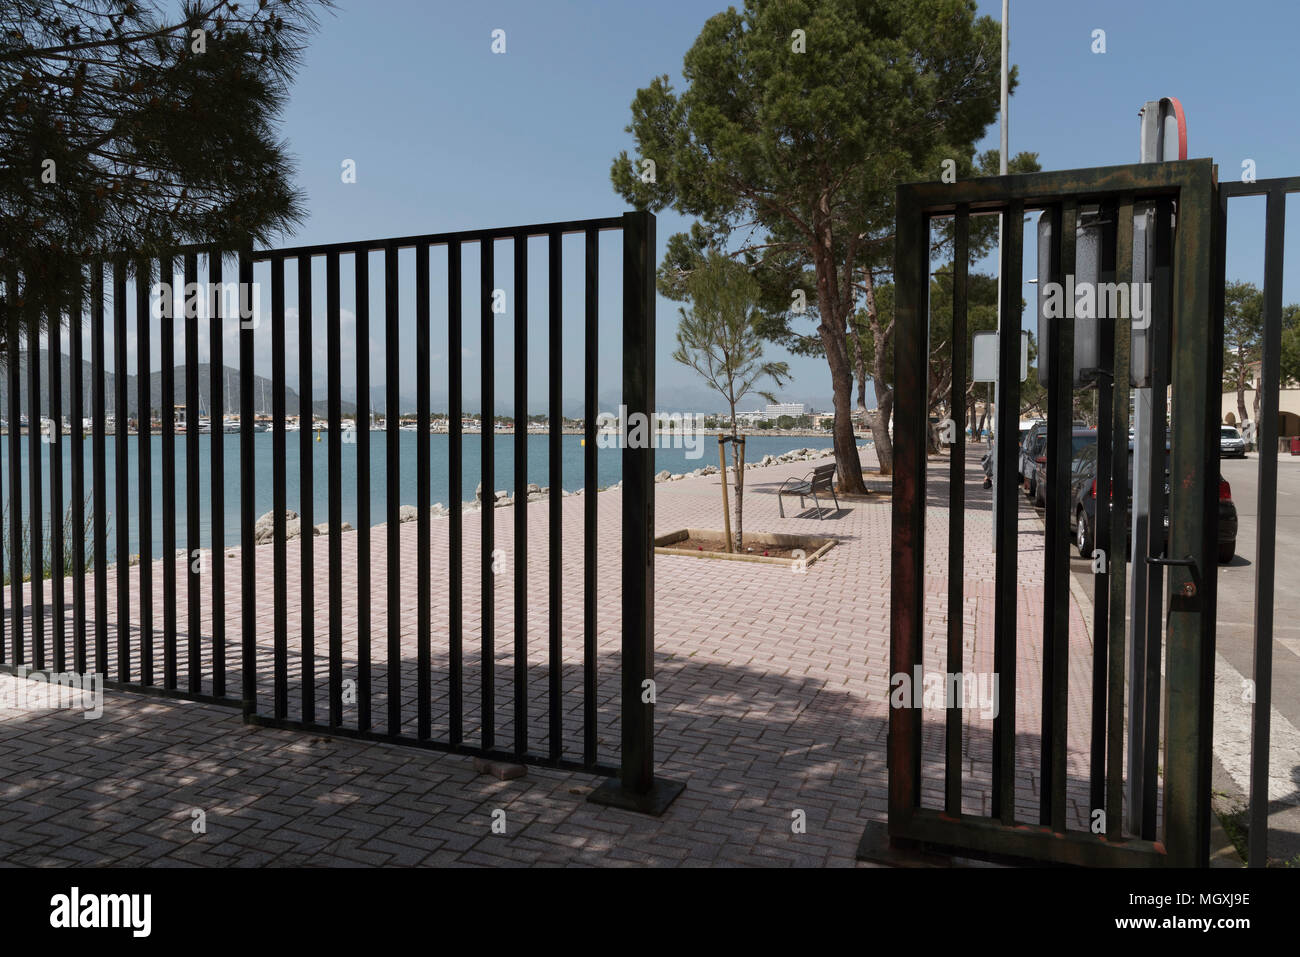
point(1080, 439)
point(1083, 514)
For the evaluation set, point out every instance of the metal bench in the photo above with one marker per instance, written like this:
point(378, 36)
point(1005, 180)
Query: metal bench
point(820, 479)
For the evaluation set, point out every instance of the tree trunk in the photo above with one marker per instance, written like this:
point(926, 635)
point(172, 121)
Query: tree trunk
point(739, 472)
point(1241, 385)
point(879, 377)
point(834, 335)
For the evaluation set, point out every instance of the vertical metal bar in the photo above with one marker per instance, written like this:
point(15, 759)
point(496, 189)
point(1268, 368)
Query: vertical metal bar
point(907, 586)
point(247, 490)
point(193, 564)
point(121, 476)
point(362, 263)
point(280, 573)
point(488, 436)
point(1006, 490)
point(554, 442)
point(1266, 509)
point(1056, 575)
point(1101, 582)
point(1193, 522)
point(58, 569)
point(455, 496)
point(76, 331)
point(98, 414)
point(34, 456)
point(217, 463)
point(1158, 338)
point(167, 349)
point(144, 462)
point(423, 682)
point(957, 506)
point(14, 407)
point(306, 434)
point(392, 422)
point(590, 481)
point(638, 503)
point(333, 384)
point(520, 243)
point(16, 604)
point(11, 297)
point(1119, 482)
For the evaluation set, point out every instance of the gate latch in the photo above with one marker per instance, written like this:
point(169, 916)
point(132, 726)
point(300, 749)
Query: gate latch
point(1189, 587)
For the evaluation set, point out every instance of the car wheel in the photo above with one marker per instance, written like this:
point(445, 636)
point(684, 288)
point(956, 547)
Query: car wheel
point(1226, 551)
point(1083, 535)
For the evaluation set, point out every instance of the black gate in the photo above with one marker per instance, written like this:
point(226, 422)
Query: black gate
point(273, 680)
point(1184, 339)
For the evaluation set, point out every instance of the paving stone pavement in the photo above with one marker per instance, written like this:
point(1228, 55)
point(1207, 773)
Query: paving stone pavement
point(772, 699)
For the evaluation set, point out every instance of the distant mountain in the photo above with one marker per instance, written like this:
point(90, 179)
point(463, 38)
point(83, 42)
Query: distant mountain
point(262, 390)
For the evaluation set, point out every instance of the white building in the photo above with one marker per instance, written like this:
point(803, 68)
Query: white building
point(775, 409)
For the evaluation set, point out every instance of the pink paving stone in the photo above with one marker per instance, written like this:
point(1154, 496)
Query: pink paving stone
point(772, 692)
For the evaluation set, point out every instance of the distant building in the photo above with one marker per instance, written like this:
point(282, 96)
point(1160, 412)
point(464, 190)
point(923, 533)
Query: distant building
point(1288, 413)
point(776, 409)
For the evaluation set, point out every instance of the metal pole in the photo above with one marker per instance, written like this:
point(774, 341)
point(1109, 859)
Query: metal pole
point(638, 789)
point(1004, 147)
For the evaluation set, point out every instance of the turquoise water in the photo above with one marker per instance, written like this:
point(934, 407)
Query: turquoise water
point(608, 462)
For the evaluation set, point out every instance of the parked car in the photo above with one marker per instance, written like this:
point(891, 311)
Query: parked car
point(1083, 514)
point(1080, 439)
point(1027, 440)
point(1231, 443)
point(1035, 451)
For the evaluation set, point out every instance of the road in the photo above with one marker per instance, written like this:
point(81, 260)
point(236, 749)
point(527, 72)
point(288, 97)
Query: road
point(1235, 647)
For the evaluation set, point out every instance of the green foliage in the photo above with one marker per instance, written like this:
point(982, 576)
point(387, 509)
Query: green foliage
point(802, 151)
point(47, 546)
point(1291, 345)
point(152, 140)
point(715, 335)
point(1243, 326)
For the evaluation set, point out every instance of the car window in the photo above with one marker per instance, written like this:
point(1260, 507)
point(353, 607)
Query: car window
point(1228, 432)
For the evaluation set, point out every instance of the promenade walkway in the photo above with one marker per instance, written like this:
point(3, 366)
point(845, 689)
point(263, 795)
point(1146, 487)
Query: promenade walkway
point(772, 700)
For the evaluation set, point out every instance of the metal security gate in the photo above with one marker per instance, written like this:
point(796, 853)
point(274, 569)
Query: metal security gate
point(1184, 341)
point(341, 695)
point(1276, 191)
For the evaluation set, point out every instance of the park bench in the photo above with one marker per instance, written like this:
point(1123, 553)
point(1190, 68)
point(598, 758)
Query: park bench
point(820, 479)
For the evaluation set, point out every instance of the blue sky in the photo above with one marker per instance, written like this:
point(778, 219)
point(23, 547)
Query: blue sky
point(448, 135)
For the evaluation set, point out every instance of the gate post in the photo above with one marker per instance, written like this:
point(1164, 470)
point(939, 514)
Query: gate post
point(637, 788)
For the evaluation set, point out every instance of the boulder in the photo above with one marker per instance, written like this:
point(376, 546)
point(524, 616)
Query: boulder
point(264, 527)
point(663, 476)
point(407, 513)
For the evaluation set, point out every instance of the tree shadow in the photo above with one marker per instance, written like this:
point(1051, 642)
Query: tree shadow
point(753, 746)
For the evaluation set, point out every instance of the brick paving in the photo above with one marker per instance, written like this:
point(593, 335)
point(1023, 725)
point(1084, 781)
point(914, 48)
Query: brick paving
point(772, 694)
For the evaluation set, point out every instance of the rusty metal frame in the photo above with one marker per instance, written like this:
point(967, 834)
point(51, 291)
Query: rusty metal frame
point(1194, 376)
